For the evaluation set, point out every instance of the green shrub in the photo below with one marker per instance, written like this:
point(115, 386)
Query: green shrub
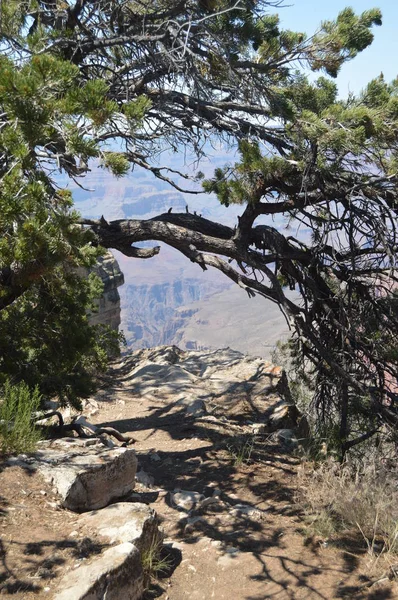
point(17, 431)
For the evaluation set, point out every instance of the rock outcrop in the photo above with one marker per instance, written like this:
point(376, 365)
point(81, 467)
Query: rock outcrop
point(115, 575)
point(221, 384)
point(122, 522)
point(109, 271)
point(152, 314)
point(119, 573)
point(215, 433)
point(87, 477)
point(86, 474)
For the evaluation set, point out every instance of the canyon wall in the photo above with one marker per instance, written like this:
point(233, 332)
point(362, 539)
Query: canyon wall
point(156, 314)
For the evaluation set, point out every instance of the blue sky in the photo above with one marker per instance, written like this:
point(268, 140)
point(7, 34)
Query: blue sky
point(382, 55)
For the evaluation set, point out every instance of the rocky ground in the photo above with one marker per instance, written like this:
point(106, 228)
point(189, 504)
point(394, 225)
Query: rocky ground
point(216, 442)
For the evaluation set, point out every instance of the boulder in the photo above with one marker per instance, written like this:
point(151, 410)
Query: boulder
point(222, 383)
point(116, 575)
point(132, 522)
point(145, 479)
point(282, 415)
point(196, 409)
point(87, 478)
point(246, 511)
point(287, 438)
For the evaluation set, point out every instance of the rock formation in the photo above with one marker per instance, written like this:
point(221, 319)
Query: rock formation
point(218, 384)
point(87, 477)
point(155, 314)
point(109, 304)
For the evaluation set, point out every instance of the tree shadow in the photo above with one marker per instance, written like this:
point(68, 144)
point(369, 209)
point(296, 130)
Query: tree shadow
point(41, 561)
point(3, 506)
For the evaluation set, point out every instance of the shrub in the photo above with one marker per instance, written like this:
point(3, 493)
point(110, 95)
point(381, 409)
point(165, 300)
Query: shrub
point(18, 433)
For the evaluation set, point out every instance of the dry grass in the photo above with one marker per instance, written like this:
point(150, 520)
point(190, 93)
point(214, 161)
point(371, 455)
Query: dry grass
point(240, 449)
point(154, 562)
point(361, 500)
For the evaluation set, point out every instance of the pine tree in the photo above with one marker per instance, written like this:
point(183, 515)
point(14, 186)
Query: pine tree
point(46, 339)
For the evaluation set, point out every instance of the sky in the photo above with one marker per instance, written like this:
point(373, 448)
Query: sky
point(381, 56)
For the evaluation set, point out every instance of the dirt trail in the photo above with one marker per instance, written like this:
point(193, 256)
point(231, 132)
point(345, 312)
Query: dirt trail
point(243, 543)
point(227, 554)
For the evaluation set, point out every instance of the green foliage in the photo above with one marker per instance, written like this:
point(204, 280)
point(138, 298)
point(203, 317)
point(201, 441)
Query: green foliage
point(252, 177)
point(18, 403)
point(325, 135)
point(135, 110)
point(240, 450)
point(154, 561)
point(46, 340)
point(122, 82)
point(341, 40)
point(116, 163)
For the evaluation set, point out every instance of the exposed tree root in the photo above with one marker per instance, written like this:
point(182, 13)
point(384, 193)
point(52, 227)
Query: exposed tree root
point(63, 429)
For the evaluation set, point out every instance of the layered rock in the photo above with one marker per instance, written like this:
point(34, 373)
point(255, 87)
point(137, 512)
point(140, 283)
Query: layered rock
point(154, 314)
point(108, 270)
point(88, 476)
point(132, 522)
point(116, 574)
point(85, 474)
point(119, 572)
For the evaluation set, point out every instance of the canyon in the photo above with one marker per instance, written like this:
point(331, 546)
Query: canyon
point(167, 299)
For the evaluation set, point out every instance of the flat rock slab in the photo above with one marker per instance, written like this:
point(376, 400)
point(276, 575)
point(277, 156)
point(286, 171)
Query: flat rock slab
point(87, 478)
point(116, 575)
point(132, 522)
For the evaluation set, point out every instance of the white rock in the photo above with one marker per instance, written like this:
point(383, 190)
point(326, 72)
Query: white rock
point(154, 457)
point(196, 409)
point(132, 522)
point(115, 575)
point(259, 428)
point(108, 311)
point(208, 501)
point(88, 478)
point(248, 511)
point(144, 478)
point(186, 500)
point(192, 524)
point(287, 437)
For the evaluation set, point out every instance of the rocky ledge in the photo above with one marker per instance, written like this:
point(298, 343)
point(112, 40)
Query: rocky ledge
point(222, 384)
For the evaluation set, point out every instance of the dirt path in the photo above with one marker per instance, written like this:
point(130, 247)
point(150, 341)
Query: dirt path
point(227, 553)
point(242, 541)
